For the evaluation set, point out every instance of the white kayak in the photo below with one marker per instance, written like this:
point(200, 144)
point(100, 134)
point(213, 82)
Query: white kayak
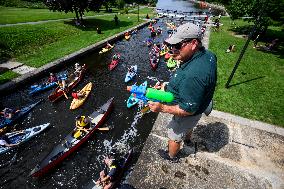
point(21, 137)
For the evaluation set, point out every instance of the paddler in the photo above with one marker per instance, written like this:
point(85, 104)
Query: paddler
point(83, 123)
point(52, 78)
point(78, 69)
point(8, 113)
point(78, 94)
point(4, 140)
point(107, 176)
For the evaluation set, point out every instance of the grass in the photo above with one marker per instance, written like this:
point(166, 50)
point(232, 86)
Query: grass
point(256, 90)
point(7, 76)
point(38, 44)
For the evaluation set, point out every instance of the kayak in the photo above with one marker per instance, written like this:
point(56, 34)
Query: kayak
point(130, 75)
point(106, 49)
point(114, 63)
point(123, 163)
point(138, 95)
point(70, 143)
point(76, 103)
point(21, 137)
point(131, 101)
point(154, 60)
point(70, 84)
point(171, 63)
point(45, 86)
point(127, 37)
point(4, 122)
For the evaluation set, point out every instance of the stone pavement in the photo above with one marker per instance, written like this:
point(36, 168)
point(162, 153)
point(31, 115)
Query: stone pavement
point(227, 155)
point(17, 67)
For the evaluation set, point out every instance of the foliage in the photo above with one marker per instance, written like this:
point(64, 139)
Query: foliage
point(23, 4)
point(120, 4)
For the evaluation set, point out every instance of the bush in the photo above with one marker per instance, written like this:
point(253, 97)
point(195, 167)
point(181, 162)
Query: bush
point(23, 4)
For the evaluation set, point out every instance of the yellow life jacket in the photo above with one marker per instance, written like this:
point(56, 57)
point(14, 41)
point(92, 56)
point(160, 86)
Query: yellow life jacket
point(82, 122)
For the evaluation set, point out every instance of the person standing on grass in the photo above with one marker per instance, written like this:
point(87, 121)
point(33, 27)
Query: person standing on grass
point(192, 85)
point(115, 20)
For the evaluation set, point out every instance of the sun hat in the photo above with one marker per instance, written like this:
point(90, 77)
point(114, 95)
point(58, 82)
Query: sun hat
point(185, 31)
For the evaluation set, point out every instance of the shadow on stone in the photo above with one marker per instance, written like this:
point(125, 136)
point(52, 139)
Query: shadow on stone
point(213, 136)
point(126, 186)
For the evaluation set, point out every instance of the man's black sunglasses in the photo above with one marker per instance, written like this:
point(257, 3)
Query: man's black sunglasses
point(179, 45)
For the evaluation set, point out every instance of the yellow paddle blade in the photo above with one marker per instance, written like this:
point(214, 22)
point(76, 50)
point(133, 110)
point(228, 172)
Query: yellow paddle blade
point(77, 134)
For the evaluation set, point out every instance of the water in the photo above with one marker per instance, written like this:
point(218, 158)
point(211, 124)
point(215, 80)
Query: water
point(130, 129)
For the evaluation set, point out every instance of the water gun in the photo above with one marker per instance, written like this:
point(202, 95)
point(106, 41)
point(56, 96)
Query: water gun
point(147, 94)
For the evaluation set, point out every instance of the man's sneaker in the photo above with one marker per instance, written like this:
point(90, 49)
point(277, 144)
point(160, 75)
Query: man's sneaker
point(165, 155)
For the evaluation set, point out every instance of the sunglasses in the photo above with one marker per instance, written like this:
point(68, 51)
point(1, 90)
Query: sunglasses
point(179, 45)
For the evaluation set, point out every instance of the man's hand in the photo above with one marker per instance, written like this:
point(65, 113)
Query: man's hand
point(155, 106)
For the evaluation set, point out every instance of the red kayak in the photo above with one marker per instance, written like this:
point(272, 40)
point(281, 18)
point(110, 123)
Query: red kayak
point(72, 141)
point(71, 82)
point(154, 60)
point(115, 60)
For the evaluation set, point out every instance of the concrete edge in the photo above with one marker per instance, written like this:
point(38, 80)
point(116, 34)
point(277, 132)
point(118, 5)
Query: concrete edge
point(28, 77)
point(248, 122)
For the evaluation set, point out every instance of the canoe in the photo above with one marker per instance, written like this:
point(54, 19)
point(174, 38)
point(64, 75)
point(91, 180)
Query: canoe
point(76, 103)
point(123, 164)
point(127, 37)
point(106, 49)
point(114, 63)
point(16, 137)
point(171, 63)
point(70, 143)
point(44, 86)
point(70, 84)
point(154, 60)
point(4, 122)
point(130, 75)
point(163, 52)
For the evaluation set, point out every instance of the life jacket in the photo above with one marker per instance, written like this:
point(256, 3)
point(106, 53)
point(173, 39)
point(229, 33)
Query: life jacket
point(82, 122)
point(75, 95)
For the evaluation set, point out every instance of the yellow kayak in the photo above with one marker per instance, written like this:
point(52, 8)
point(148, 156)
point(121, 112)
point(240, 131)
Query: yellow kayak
point(76, 103)
point(127, 37)
point(105, 49)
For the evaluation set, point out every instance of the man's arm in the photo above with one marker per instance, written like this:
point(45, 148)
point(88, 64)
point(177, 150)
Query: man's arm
point(171, 109)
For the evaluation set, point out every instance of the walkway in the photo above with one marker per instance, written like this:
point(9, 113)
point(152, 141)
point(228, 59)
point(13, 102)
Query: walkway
point(229, 152)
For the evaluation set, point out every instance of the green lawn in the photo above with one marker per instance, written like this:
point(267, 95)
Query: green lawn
point(7, 76)
point(11, 15)
point(256, 90)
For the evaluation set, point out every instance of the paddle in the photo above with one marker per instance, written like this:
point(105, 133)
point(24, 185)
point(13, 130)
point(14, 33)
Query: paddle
point(103, 129)
point(65, 94)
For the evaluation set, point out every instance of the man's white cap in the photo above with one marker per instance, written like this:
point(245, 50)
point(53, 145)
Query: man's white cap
point(185, 31)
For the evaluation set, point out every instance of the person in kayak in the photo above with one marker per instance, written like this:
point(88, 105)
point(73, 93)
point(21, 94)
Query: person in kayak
point(78, 69)
point(52, 78)
point(108, 175)
point(108, 46)
point(83, 123)
point(115, 57)
point(8, 113)
point(62, 84)
point(131, 69)
point(4, 140)
point(78, 94)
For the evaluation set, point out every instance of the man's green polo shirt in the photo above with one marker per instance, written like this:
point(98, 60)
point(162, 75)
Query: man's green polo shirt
point(193, 84)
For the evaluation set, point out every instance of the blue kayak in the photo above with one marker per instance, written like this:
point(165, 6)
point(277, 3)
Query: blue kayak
point(137, 94)
point(45, 86)
point(24, 111)
point(130, 74)
point(21, 137)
